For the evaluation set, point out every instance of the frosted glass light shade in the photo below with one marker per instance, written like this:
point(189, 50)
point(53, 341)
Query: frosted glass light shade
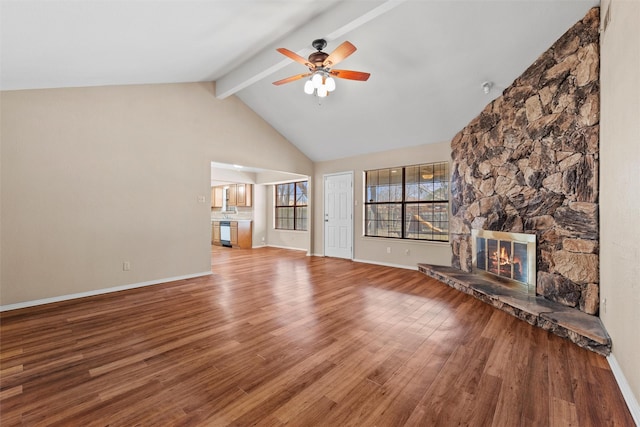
point(317, 80)
point(330, 84)
point(322, 92)
point(308, 87)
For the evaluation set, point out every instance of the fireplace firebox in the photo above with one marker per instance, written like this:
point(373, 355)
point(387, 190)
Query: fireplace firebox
point(508, 255)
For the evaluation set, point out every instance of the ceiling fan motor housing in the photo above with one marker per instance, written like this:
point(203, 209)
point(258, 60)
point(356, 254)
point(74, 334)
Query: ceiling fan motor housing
point(317, 58)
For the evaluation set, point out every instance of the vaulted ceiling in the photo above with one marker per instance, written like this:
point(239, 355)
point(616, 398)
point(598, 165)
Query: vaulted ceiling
point(427, 58)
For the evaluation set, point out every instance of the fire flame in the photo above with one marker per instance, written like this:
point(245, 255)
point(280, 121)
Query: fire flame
point(501, 257)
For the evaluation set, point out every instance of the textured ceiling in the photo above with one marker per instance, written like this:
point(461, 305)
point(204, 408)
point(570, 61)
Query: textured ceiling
point(427, 59)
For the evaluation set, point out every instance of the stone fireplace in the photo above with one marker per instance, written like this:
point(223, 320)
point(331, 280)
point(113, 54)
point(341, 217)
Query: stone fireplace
point(510, 256)
point(529, 164)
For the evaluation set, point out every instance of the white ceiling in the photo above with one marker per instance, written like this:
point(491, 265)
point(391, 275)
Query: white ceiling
point(427, 58)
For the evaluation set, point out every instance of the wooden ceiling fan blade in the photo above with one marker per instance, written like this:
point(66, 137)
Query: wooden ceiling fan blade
point(350, 75)
point(295, 57)
point(341, 52)
point(291, 79)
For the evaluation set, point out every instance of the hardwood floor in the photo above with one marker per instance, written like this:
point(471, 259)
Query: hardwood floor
point(276, 338)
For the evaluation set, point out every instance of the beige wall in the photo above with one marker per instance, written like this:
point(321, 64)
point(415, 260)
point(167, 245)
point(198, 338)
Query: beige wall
point(93, 177)
point(620, 186)
point(368, 249)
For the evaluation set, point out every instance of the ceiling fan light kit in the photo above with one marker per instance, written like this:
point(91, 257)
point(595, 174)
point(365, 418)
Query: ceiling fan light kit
point(320, 84)
point(321, 76)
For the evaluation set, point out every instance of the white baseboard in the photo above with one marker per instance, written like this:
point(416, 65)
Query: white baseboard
point(287, 247)
point(98, 292)
point(627, 393)
point(387, 264)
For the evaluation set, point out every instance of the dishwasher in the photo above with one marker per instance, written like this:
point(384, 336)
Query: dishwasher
point(225, 233)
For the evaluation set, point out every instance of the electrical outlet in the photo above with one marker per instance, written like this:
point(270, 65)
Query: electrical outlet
point(603, 305)
point(388, 249)
point(406, 252)
point(126, 266)
point(201, 199)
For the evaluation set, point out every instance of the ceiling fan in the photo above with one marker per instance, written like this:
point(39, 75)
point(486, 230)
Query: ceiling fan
point(320, 68)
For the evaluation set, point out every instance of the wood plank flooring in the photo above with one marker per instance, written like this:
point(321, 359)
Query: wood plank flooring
point(276, 338)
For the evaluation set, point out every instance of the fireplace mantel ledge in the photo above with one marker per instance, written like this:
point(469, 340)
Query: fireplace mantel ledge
point(580, 328)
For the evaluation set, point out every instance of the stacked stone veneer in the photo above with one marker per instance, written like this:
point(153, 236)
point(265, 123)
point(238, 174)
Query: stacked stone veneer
point(529, 164)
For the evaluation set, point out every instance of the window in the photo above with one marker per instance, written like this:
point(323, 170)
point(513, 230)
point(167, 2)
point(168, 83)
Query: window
point(410, 202)
point(291, 206)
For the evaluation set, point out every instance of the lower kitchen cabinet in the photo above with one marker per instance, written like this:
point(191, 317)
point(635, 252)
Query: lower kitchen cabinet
point(245, 240)
point(215, 233)
point(234, 233)
point(241, 234)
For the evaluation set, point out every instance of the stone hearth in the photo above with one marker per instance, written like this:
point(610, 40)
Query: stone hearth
point(580, 328)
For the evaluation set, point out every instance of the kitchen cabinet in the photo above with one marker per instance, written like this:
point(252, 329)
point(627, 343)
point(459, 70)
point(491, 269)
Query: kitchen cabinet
point(237, 195)
point(245, 240)
point(217, 193)
point(234, 233)
point(241, 234)
point(231, 195)
point(243, 194)
point(215, 233)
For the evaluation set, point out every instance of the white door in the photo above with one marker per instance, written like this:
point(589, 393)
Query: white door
point(338, 215)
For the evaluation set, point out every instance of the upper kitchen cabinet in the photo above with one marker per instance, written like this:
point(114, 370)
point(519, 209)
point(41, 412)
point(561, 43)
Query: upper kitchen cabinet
point(243, 194)
point(217, 194)
point(236, 194)
point(231, 195)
